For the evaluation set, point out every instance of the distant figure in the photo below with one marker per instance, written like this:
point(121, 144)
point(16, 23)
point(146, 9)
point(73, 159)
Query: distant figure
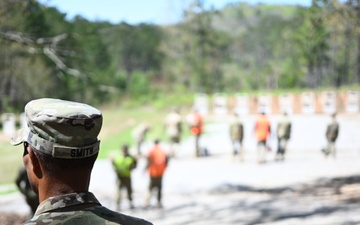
point(139, 135)
point(262, 132)
point(195, 121)
point(236, 130)
point(157, 161)
point(22, 182)
point(283, 136)
point(173, 128)
point(123, 165)
point(332, 132)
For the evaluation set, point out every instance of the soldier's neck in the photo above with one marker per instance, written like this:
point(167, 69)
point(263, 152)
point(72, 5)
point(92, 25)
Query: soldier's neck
point(55, 186)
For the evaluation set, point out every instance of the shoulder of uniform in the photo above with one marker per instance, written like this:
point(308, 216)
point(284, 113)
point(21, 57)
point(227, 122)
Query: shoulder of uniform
point(116, 217)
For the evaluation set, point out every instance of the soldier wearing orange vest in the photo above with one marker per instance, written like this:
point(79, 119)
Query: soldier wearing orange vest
point(156, 165)
point(262, 132)
point(196, 121)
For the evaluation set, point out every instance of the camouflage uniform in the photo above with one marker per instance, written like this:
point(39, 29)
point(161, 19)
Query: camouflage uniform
point(236, 130)
point(283, 136)
point(139, 135)
point(173, 127)
point(78, 208)
point(332, 132)
point(66, 131)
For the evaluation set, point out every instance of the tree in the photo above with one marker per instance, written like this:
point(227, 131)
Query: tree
point(205, 49)
point(134, 48)
point(312, 38)
point(342, 23)
point(354, 14)
point(39, 52)
point(19, 73)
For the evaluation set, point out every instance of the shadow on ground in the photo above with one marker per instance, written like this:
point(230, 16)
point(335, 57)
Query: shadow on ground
point(335, 200)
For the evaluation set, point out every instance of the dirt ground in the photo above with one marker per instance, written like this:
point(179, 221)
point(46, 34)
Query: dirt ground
point(325, 201)
point(304, 189)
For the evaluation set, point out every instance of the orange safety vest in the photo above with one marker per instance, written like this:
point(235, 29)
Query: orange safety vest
point(196, 129)
point(262, 128)
point(157, 161)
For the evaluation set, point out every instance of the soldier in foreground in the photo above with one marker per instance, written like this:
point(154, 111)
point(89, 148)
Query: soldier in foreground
point(60, 149)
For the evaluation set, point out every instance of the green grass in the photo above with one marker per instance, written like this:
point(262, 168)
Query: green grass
point(11, 161)
point(119, 124)
point(7, 189)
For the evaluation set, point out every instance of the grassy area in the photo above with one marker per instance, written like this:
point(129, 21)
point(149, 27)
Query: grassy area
point(10, 160)
point(119, 124)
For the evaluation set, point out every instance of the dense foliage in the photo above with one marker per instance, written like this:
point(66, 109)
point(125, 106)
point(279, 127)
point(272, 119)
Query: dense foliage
point(238, 48)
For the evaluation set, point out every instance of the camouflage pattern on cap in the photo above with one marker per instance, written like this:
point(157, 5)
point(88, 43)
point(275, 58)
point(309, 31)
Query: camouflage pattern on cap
point(60, 128)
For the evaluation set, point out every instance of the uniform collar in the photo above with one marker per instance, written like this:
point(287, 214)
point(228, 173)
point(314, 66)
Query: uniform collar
point(66, 200)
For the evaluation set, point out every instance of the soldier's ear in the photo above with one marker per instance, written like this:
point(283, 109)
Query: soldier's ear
point(36, 167)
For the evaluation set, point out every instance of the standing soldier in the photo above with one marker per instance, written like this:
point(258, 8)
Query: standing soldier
point(283, 136)
point(157, 162)
point(236, 130)
point(123, 164)
point(195, 121)
point(139, 134)
point(332, 132)
point(173, 128)
point(262, 132)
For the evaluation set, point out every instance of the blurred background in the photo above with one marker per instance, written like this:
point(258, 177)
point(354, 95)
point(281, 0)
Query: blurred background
point(137, 61)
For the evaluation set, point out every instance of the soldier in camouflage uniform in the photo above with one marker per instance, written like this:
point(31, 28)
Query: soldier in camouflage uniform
point(236, 130)
point(139, 134)
point(332, 132)
point(283, 135)
point(60, 149)
point(173, 128)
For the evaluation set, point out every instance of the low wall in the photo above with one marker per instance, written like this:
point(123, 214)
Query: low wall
point(326, 102)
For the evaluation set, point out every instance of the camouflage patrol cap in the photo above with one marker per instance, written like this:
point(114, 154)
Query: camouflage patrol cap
point(60, 128)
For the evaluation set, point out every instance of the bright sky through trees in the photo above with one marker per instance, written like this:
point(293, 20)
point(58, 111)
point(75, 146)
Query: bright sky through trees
point(149, 11)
